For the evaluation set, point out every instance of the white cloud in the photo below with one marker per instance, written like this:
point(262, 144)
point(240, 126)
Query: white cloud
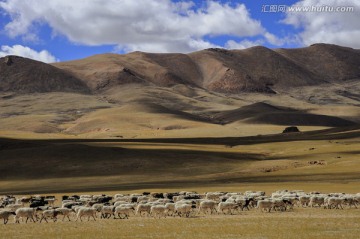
point(242, 44)
point(27, 52)
point(147, 25)
point(340, 28)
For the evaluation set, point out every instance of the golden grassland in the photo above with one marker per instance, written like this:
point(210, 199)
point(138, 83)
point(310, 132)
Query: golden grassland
point(299, 223)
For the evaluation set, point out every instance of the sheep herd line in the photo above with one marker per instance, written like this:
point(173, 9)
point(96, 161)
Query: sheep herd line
point(161, 205)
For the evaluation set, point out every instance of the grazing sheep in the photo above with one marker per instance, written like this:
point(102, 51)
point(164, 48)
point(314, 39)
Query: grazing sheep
point(316, 200)
point(86, 211)
point(184, 209)
point(5, 215)
point(143, 209)
point(227, 207)
point(13, 207)
point(266, 205)
point(124, 211)
point(215, 196)
point(158, 210)
point(29, 213)
point(49, 214)
point(71, 204)
point(51, 201)
point(107, 211)
point(334, 202)
point(97, 206)
point(304, 200)
point(244, 203)
point(207, 206)
point(118, 203)
point(170, 209)
point(65, 212)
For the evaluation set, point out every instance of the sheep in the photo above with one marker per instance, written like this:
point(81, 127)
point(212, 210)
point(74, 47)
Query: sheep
point(86, 211)
point(170, 209)
point(49, 214)
point(97, 206)
point(5, 215)
point(207, 206)
point(184, 209)
point(124, 211)
point(316, 200)
point(229, 207)
point(215, 196)
point(351, 201)
point(13, 207)
point(29, 213)
point(158, 210)
point(107, 211)
point(143, 209)
point(65, 212)
point(118, 203)
point(265, 205)
point(51, 201)
point(334, 202)
point(142, 199)
point(279, 204)
point(24, 200)
point(244, 203)
point(304, 200)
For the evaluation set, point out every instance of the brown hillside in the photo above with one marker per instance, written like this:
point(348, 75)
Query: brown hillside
point(106, 70)
point(24, 75)
point(257, 69)
point(330, 62)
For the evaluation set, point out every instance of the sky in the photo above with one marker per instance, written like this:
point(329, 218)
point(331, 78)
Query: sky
point(63, 30)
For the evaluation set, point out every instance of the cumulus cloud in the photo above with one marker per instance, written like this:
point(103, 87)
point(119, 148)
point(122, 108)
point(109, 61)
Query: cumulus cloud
point(27, 52)
point(146, 25)
point(231, 44)
point(340, 28)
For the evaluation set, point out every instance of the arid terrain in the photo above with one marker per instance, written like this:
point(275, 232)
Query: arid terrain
point(206, 121)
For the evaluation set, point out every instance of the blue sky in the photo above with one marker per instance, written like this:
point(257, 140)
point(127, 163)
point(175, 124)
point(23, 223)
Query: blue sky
point(61, 30)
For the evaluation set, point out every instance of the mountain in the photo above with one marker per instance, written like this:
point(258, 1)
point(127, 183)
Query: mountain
point(24, 75)
point(256, 69)
point(209, 93)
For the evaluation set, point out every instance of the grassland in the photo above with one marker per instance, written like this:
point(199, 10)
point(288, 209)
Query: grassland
point(299, 223)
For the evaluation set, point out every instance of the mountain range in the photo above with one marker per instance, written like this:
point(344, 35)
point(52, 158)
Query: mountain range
point(215, 91)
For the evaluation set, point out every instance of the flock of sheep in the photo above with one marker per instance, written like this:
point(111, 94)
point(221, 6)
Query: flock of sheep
point(158, 205)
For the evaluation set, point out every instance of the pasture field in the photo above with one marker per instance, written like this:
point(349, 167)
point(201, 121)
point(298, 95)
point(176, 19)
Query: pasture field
point(299, 223)
point(265, 163)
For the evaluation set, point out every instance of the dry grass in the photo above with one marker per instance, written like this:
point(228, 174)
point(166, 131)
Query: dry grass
point(300, 223)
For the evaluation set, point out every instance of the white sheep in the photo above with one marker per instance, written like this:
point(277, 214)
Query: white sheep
point(49, 214)
point(118, 203)
point(158, 210)
point(143, 209)
point(5, 215)
point(27, 212)
point(266, 205)
point(207, 206)
point(227, 207)
point(97, 206)
point(304, 200)
point(334, 202)
point(316, 200)
point(124, 211)
point(65, 212)
point(170, 209)
point(86, 211)
point(184, 209)
point(13, 207)
point(107, 211)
